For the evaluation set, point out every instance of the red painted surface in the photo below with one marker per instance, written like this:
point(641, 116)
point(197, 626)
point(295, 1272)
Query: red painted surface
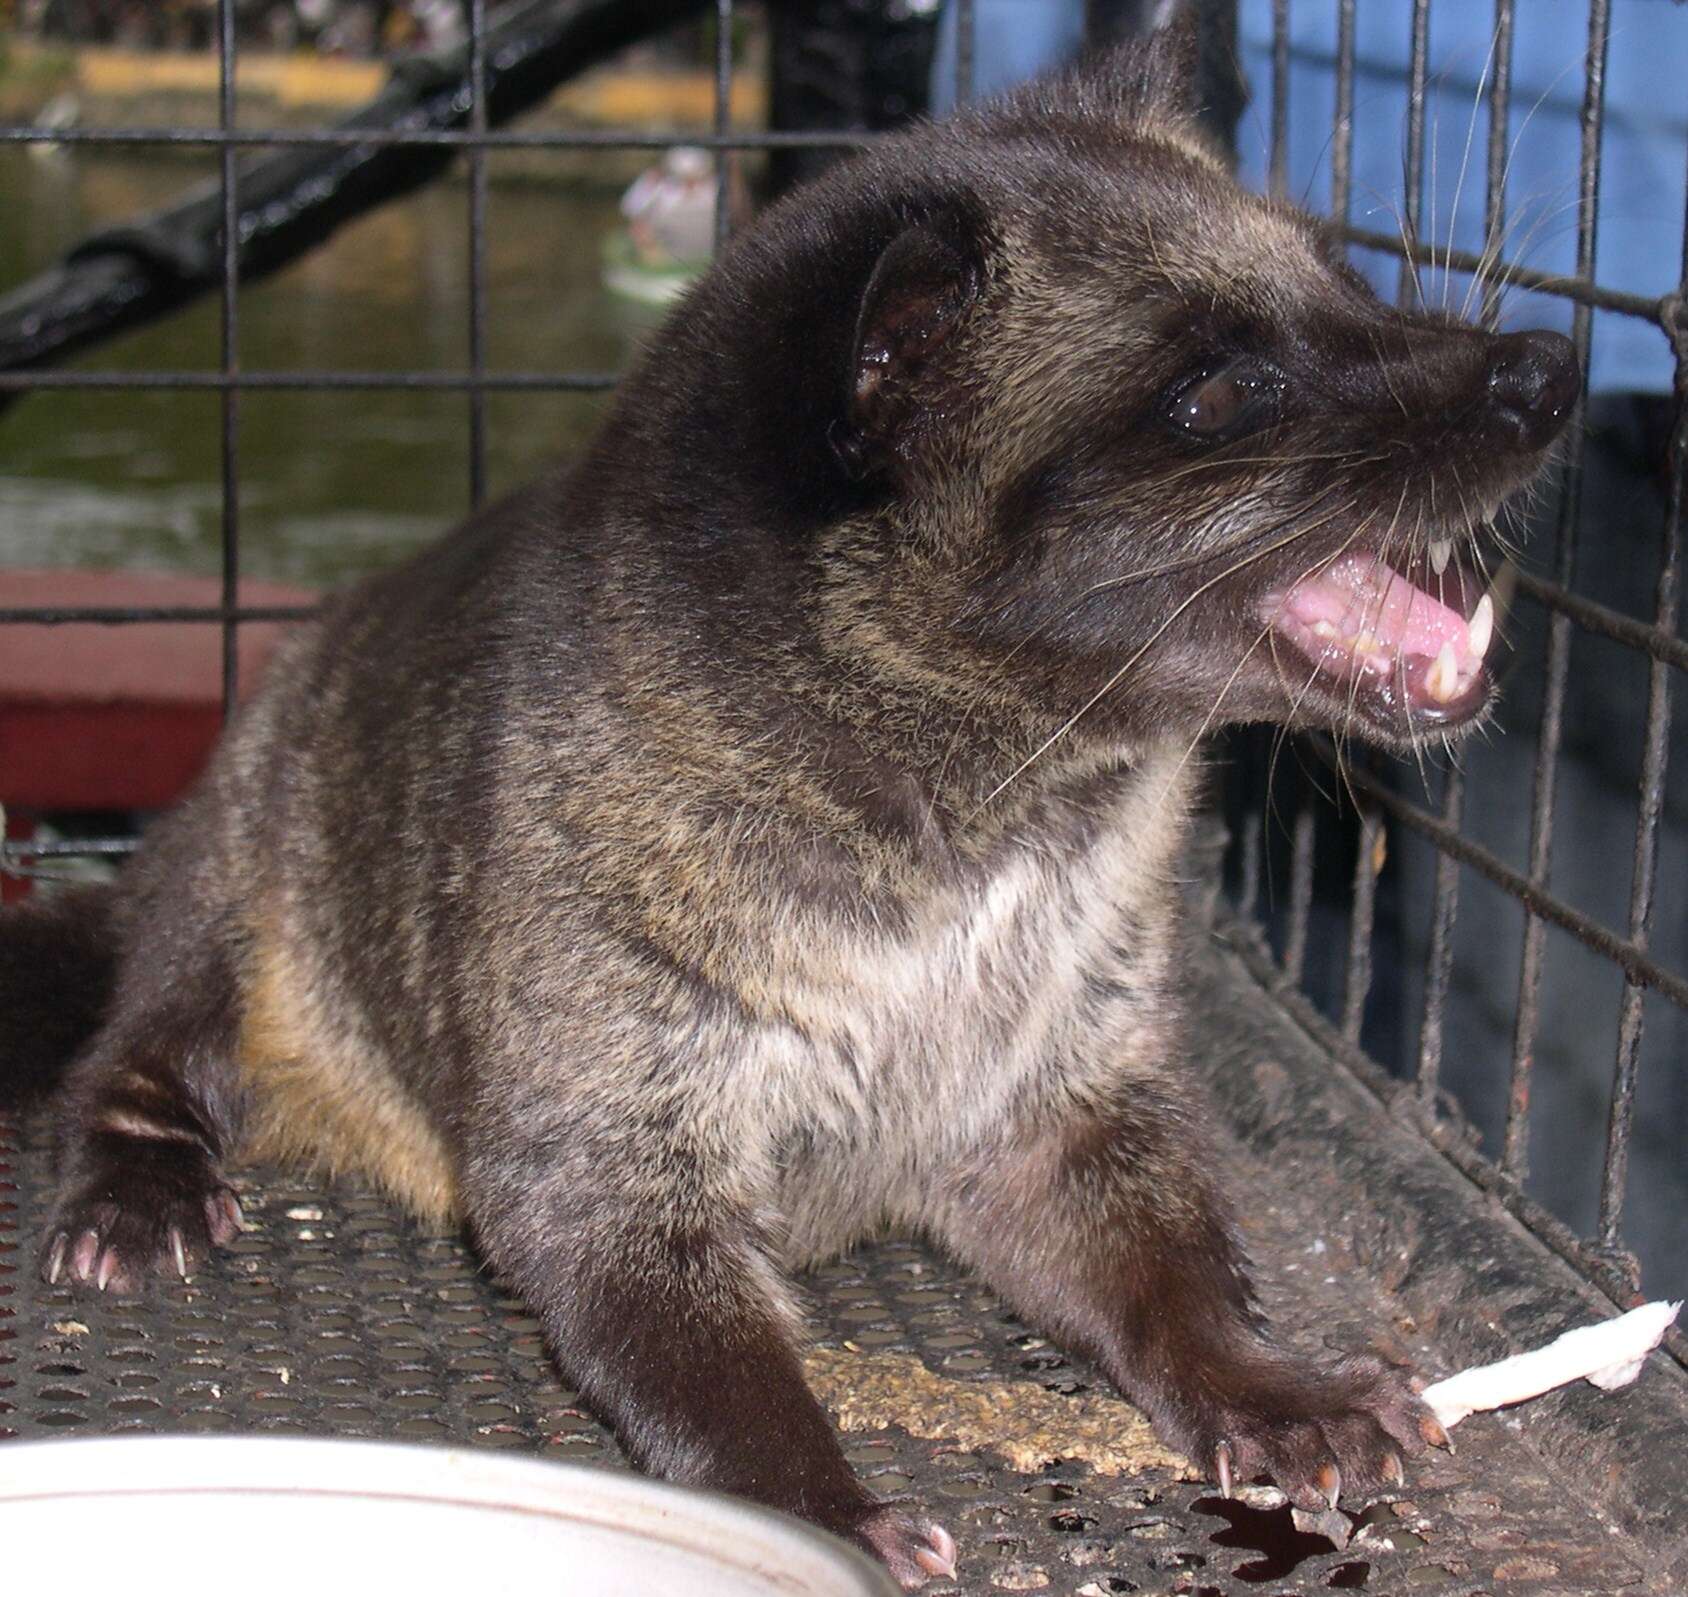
point(19, 828)
point(95, 716)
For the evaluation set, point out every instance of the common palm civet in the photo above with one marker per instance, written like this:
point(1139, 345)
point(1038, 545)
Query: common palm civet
point(765, 832)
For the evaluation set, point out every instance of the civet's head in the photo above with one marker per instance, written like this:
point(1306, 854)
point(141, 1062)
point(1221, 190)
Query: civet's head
point(1108, 431)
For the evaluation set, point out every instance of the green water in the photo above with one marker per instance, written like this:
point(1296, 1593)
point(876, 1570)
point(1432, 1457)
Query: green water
point(331, 484)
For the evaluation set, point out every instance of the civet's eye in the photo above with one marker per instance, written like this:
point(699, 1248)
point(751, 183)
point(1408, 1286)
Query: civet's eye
point(1223, 401)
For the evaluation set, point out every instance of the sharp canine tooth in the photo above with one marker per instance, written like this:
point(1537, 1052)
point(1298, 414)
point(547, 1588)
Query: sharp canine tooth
point(1441, 551)
point(1443, 678)
point(1481, 627)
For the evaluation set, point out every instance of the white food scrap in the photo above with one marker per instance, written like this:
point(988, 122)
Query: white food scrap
point(1609, 1354)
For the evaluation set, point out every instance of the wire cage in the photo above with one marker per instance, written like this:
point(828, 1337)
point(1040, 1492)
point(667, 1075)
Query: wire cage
point(1463, 974)
point(1597, 582)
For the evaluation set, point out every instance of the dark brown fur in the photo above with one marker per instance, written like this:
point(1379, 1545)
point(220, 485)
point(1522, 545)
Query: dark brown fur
point(766, 833)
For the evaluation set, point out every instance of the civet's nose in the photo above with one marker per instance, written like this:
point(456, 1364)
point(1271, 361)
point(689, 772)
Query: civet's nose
point(1533, 381)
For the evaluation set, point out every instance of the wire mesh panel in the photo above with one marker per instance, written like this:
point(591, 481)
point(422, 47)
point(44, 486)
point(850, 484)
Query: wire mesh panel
point(1409, 968)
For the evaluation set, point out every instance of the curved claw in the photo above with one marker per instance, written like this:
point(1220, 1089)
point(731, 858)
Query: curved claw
point(914, 1550)
point(938, 1556)
point(224, 1217)
point(82, 1256)
point(1329, 1482)
point(1222, 1467)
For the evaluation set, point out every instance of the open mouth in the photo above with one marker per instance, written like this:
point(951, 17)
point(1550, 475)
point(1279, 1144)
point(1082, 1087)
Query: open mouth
point(1395, 646)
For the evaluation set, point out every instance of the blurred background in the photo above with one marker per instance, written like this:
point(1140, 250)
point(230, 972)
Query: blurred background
point(332, 484)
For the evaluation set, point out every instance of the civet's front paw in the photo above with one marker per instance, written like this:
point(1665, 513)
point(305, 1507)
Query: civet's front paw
point(140, 1209)
point(1318, 1431)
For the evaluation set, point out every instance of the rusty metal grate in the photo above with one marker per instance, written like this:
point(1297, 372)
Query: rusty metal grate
point(335, 1315)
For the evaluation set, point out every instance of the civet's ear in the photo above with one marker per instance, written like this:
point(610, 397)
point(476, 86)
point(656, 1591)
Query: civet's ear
point(1172, 56)
point(1146, 68)
point(920, 289)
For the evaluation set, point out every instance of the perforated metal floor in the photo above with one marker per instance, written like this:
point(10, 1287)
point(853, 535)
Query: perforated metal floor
point(335, 1315)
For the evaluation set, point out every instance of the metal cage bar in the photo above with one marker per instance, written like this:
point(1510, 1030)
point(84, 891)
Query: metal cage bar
point(228, 178)
point(1368, 865)
point(492, 139)
point(723, 115)
point(1444, 910)
point(1342, 121)
point(1515, 1150)
point(1277, 170)
point(1412, 197)
point(1655, 753)
point(477, 255)
point(1301, 882)
point(966, 48)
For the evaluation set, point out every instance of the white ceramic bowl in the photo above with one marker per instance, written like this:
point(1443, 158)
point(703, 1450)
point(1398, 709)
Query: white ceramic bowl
point(294, 1517)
